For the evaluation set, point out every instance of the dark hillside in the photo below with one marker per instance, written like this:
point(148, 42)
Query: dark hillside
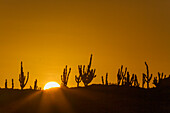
point(92, 99)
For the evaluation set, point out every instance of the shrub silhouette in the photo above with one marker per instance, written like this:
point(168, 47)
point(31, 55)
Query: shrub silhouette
point(106, 79)
point(78, 79)
point(22, 78)
point(12, 83)
point(65, 76)
point(35, 85)
point(146, 77)
point(6, 84)
point(87, 76)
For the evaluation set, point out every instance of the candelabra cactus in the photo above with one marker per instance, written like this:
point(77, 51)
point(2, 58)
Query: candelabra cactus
point(22, 78)
point(87, 76)
point(77, 79)
point(65, 76)
point(6, 84)
point(146, 77)
point(12, 83)
point(35, 85)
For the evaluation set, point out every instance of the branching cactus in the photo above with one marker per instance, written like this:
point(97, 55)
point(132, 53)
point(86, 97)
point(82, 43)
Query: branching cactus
point(121, 75)
point(87, 76)
point(12, 83)
point(128, 80)
point(35, 85)
point(22, 79)
point(78, 80)
point(6, 84)
point(65, 76)
point(136, 84)
point(160, 77)
point(146, 77)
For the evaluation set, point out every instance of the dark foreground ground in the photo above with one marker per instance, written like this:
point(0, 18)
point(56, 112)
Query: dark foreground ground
point(93, 99)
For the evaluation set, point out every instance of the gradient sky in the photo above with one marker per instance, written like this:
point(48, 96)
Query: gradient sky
point(48, 34)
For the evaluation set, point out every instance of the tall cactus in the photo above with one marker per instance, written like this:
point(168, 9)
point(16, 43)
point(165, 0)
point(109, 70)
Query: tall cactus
point(35, 85)
point(146, 77)
point(22, 78)
point(87, 76)
point(106, 78)
point(77, 79)
point(6, 84)
point(65, 76)
point(12, 83)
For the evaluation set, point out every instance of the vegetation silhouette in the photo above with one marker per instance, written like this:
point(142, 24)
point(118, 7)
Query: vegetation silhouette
point(65, 76)
point(106, 82)
point(6, 87)
point(22, 78)
point(12, 83)
point(125, 96)
point(146, 77)
point(87, 75)
point(35, 85)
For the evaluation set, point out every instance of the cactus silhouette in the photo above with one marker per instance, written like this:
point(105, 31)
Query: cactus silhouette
point(146, 77)
point(77, 79)
point(106, 79)
point(160, 77)
point(22, 78)
point(35, 85)
point(12, 83)
point(129, 81)
point(87, 76)
point(102, 80)
point(6, 84)
point(121, 75)
point(65, 76)
point(136, 84)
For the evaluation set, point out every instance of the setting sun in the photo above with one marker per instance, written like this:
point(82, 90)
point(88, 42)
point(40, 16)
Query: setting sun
point(51, 85)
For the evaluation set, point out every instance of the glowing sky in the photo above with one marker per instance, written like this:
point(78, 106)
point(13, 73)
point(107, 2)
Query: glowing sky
point(48, 34)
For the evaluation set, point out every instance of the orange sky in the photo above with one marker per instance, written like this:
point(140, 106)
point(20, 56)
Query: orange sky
point(48, 34)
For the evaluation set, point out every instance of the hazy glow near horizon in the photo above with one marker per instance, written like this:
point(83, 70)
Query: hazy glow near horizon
point(51, 85)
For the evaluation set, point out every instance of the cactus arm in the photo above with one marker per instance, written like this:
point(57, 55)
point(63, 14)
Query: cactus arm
point(150, 78)
point(27, 79)
point(147, 69)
